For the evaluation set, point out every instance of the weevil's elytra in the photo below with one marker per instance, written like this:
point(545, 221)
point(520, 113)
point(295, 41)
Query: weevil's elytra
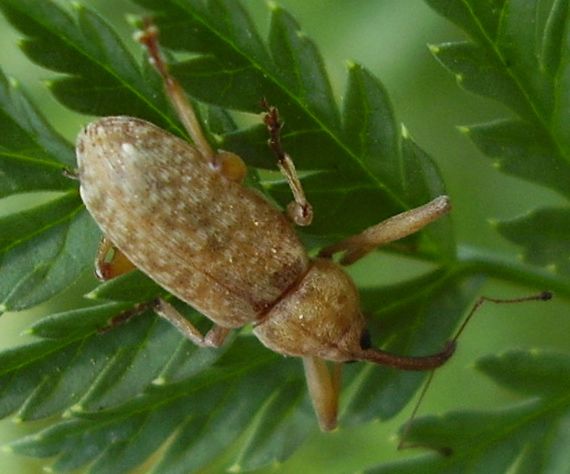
point(180, 214)
point(207, 239)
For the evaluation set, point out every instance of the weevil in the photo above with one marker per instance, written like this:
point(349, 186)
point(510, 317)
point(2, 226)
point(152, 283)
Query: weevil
point(180, 213)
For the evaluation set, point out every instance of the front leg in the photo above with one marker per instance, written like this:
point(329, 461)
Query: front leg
point(300, 210)
point(324, 389)
point(229, 164)
point(394, 228)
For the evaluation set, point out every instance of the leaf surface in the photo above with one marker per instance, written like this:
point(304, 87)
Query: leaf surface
point(129, 390)
point(519, 55)
point(527, 437)
point(120, 383)
point(549, 247)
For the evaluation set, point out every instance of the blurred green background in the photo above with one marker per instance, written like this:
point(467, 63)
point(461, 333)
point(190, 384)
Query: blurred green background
point(390, 38)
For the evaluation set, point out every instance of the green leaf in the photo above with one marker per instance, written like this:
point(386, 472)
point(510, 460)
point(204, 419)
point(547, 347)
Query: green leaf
point(43, 251)
point(527, 437)
point(134, 382)
point(117, 396)
point(522, 150)
point(301, 68)
point(526, 69)
point(32, 154)
point(132, 287)
point(535, 373)
point(77, 322)
point(549, 247)
point(137, 388)
point(104, 77)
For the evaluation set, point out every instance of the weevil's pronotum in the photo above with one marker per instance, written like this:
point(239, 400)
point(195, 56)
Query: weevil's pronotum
point(180, 214)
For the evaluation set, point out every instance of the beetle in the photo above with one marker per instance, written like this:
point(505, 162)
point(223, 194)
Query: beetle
point(180, 214)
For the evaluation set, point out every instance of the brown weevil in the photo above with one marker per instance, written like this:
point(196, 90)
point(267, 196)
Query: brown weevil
point(179, 213)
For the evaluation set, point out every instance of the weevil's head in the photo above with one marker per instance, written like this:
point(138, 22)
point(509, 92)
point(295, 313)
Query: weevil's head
point(320, 317)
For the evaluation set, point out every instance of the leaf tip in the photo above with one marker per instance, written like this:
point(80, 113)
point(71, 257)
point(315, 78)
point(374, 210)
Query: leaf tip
point(48, 84)
point(77, 6)
point(235, 468)
point(272, 6)
point(92, 295)
point(434, 49)
point(465, 130)
point(7, 449)
point(18, 419)
point(552, 267)
point(159, 381)
point(133, 20)
point(13, 82)
point(73, 410)
point(350, 64)
point(536, 352)
point(405, 133)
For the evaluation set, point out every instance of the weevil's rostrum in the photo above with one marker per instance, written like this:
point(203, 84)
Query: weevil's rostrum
point(207, 239)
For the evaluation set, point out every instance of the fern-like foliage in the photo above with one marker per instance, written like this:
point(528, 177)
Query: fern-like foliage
point(116, 397)
point(518, 54)
point(527, 437)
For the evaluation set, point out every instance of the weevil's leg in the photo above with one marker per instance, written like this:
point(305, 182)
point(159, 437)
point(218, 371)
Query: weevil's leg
point(118, 264)
point(391, 229)
point(231, 165)
point(300, 210)
point(149, 38)
point(70, 173)
point(124, 316)
point(323, 389)
point(214, 338)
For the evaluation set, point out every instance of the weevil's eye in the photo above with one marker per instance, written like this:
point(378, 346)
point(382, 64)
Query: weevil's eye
point(365, 341)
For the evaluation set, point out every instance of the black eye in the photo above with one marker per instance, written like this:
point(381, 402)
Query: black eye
point(365, 341)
